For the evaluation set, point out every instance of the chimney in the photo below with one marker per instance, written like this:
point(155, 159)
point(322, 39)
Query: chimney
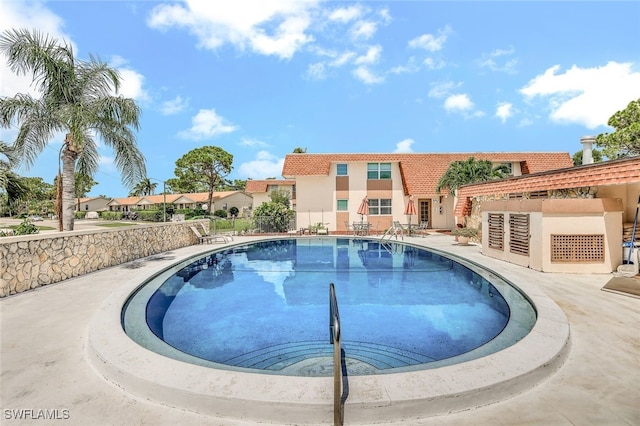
point(587, 147)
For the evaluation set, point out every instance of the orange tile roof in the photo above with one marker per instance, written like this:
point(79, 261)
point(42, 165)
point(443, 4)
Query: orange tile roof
point(614, 172)
point(159, 198)
point(254, 186)
point(420, 172)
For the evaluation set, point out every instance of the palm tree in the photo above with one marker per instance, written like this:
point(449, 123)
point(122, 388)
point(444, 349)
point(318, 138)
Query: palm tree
point(76, 98)
point(144, 187)
point(469, 171)
point(10, 182)
point(7, 161)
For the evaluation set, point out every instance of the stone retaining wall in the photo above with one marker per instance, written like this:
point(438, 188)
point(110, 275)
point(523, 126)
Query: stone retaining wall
point(31, 261)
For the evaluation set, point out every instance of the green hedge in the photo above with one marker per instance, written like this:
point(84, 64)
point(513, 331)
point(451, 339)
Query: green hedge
point(110, 215)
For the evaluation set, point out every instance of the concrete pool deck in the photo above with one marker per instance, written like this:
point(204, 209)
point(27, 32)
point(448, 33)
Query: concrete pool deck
point(44, 356)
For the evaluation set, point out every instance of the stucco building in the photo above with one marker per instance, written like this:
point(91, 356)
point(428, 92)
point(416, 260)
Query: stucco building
point(331, 187)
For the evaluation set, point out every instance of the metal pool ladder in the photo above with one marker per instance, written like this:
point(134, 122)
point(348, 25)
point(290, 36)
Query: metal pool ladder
point(334, 337)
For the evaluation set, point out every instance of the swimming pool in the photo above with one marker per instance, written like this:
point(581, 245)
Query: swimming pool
point(262, 307)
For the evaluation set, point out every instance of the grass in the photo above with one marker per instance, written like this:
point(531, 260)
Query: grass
point(40, 227)
point(115, 224)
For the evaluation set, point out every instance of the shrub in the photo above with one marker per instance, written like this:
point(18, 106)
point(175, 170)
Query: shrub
point(465, 232)
point(26, 227)
point(110, 215)
point(221, 213)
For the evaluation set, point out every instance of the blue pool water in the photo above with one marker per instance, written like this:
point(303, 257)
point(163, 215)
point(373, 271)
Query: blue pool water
point(264, 306)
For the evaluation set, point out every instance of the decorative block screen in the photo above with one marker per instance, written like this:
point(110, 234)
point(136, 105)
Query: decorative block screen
point(496, 231)
point(519, 234)
point(577, 248)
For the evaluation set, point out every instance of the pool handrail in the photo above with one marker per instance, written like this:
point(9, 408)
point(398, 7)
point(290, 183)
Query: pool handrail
point(334, 337)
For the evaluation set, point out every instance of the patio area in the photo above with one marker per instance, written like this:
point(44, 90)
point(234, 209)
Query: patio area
point(44, 341)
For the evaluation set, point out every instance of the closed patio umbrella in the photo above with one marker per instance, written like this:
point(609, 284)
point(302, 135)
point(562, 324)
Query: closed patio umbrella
point(410, 210)
point(364, 208)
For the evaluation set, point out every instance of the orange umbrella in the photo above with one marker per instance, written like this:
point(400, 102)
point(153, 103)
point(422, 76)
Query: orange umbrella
point(411, 209)
point(364, 208)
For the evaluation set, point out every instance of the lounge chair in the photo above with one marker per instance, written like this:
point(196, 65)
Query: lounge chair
point(208, 238)
point(206, 233)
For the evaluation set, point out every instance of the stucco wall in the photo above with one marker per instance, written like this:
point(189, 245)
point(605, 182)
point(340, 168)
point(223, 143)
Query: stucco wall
point(31, 261)
point(563, 217)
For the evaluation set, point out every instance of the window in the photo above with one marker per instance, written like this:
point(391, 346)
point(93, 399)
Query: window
point(379, 171)
point(380, 206)
point(508, 168)
point(341, 169)
point(343, 205)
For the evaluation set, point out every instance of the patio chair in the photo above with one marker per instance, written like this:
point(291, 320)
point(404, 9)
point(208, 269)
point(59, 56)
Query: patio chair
point(397, 229)
point(208, 238)
point(422, 229)
point(205, 233)
point(348, 227)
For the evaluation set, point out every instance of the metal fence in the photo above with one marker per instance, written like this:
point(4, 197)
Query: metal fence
point(272, 225)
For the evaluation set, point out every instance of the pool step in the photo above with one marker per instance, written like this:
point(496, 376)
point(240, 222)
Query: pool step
point(278, 357)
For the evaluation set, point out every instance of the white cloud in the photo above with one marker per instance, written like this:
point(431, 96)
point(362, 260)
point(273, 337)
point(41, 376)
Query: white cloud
point(131, 83)
point(269, 27)
point(317, 71)
point(264, 165)
point(409, 68)
point(443, 89)
point(207, 124)
point(342, 59)
point(363, 30)
point(430, 42)
point(371, 57)
point(459, 102)
point(434, 64)
point(587, 96)
point(504, 110)
point(30, 15)
point(252, 143)
point(174, 106)
point(346, 14)
point(366, 76)
point(404, 146)
point(490, 60)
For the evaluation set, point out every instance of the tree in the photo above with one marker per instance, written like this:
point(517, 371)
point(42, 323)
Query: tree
point(273, 217)
point(11, 187)
point(469, 171)
point(83, 185)
point(144, 187)
point(35, 196)
point(180, 186)
point(76, 98)
point(280, 196)
point(595, 154)
point(299, 150)
point(204, 167)
point(625, 141)
point(236, 185)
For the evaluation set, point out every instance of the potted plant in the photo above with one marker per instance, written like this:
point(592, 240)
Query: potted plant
point(464, 234)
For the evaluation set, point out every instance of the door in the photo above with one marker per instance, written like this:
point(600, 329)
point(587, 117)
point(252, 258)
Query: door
point(423, 212)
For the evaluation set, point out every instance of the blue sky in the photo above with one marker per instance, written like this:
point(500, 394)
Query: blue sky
point(260, 78)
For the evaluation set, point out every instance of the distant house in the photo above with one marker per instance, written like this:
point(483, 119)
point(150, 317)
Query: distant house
point(331, 187)
point(95, 204)
point(261, 190)
point(222, 200)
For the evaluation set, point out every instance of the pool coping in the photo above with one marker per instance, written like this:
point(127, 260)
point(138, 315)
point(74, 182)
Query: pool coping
point(291, 399)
